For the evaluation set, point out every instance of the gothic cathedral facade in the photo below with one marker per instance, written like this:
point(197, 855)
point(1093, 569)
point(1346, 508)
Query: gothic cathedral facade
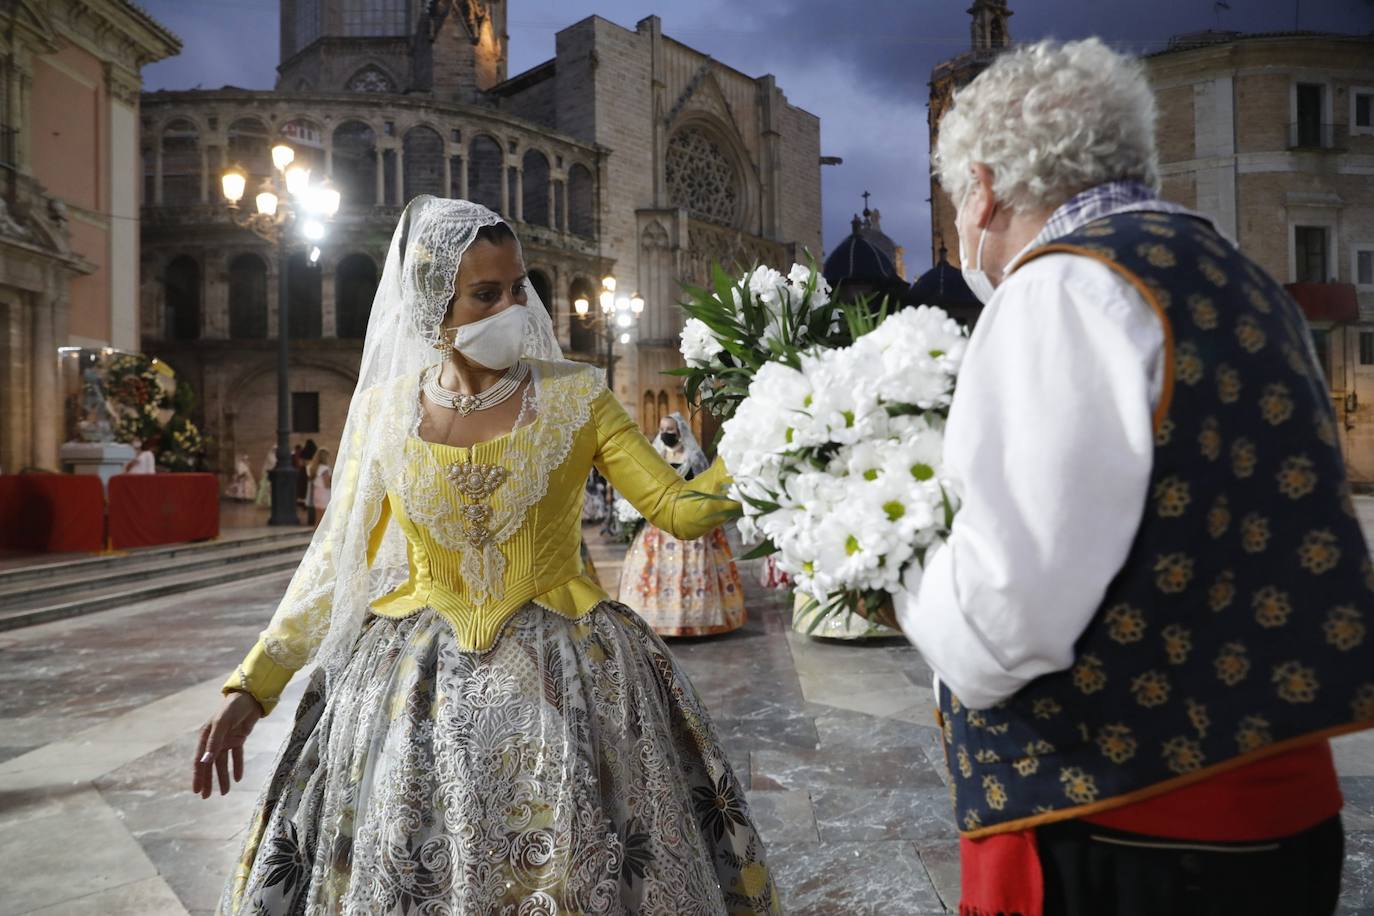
point(627, 154)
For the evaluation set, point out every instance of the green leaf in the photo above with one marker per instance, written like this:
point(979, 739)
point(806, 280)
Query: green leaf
point(763, 549)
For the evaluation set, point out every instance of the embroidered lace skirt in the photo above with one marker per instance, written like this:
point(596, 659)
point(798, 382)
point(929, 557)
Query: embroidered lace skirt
point(683, 588)
point(571, 769)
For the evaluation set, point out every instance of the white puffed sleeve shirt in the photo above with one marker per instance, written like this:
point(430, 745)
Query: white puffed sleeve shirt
point(1050, 442)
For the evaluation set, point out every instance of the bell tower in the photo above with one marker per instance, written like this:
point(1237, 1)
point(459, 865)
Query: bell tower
point(452, 49)
point(990, 30)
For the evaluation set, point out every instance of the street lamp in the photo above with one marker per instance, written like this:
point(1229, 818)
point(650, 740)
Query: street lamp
point(614, 321)
point(285, 198)
point(618, 314)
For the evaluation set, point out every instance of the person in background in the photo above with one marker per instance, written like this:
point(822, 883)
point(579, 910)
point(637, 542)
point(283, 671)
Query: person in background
point(265, 484)
point(299, 460)
point(243, 486)
point(143, 461)
point(321, 482)
point(683, 588)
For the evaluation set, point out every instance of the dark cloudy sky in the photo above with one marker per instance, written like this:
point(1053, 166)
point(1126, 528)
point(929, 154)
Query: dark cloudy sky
point(861, 65)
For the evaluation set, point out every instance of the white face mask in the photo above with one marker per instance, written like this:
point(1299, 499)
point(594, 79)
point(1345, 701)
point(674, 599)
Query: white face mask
point(494, 342)
point(977, 279)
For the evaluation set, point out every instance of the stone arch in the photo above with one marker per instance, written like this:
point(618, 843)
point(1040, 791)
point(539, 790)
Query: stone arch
point(247, 298)
point(181, 299)
point(663, 406)
point(534, 168)
point(485, 164)
point(582, 336)
point(705, 172)
point(581, 201)
point(657, 277)
point(253, 429)
point(248, 145)
point(540, 281)
point(304, 285)
point(422, 163)
point(306, 136)
point(355, 163)
point(371, 78)
point(355, 286)
point(181, 178)
point(650, 410)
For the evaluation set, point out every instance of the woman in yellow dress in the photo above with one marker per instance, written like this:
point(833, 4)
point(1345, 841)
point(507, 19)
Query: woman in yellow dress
point(486, 732)
point(682, 587)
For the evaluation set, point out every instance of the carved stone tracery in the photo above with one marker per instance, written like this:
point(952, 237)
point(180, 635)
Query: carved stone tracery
point(702, 178)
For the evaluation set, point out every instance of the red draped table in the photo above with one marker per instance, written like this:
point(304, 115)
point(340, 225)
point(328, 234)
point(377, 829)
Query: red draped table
point(54, 513)
point(147, 509)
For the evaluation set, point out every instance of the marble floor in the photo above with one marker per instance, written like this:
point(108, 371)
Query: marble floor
point(835, 742)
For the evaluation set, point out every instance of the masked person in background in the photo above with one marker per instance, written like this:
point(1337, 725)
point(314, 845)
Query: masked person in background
point(1154, 606)
point(486, 732)
point(682, 588)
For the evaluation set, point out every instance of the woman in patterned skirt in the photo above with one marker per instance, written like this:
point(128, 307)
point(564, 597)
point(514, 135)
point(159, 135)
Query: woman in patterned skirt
point(681, 587)
point(486, 731)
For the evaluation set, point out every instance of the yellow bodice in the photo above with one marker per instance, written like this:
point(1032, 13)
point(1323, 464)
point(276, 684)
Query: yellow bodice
point(493, 527)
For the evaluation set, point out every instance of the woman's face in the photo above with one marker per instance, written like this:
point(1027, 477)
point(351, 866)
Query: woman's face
point(490, 280)
point(668, 425)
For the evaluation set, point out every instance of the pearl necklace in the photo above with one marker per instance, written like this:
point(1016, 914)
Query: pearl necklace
point(483, 400)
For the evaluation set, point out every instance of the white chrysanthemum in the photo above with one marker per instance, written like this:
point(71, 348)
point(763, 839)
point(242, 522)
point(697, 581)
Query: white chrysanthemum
point(797, 278)
point(759, 429)
point(699, 345)
point(625, 512)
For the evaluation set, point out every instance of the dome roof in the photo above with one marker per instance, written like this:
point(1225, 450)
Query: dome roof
point(942, 285)
point(858, 260)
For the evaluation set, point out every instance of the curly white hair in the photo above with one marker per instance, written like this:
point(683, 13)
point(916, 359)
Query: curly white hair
point(1049, 120)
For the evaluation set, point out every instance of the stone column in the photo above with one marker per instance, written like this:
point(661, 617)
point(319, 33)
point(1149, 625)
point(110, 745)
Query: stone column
point(448, 172)
point(329, 317)
point(381, 176)
point(204, 174)
point(552, 211)
point(463, 177)
point(505, 190)
point(519, 193)
point(47, 405)
point(563, 191)
point(400, 178)
point(157, 170)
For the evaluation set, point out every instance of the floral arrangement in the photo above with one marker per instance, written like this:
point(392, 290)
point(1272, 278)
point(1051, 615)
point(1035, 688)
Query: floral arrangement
point(154, 408)
point(736, 328)
point(834, 428)
point(141, 392)
point(629, 519)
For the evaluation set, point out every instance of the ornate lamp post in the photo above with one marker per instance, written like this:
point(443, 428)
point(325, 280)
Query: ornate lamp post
point(284, 200)
point(616, 320)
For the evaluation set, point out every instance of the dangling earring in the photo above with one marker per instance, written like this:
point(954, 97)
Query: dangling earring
point(445, 346)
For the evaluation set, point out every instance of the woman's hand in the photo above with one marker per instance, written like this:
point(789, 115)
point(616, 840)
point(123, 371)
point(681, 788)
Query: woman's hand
point(222, 737)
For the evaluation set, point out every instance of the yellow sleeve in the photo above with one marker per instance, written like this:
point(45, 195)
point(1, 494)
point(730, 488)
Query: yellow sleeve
point(263, 678)
point(641, 475)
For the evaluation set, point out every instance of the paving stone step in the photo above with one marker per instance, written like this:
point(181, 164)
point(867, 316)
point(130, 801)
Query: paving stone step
point(100, 599)
point(141, 567)
point(62, 568)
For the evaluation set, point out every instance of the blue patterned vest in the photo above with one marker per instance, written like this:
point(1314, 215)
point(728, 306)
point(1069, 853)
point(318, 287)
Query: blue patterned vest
point(1239, 624)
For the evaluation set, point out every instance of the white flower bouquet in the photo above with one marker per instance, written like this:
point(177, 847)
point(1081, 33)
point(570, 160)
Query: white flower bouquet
point(735, 328)
point(835, 438)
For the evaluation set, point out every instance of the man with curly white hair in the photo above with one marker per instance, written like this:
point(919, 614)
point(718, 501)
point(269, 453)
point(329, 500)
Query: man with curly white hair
point(1154, 606)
